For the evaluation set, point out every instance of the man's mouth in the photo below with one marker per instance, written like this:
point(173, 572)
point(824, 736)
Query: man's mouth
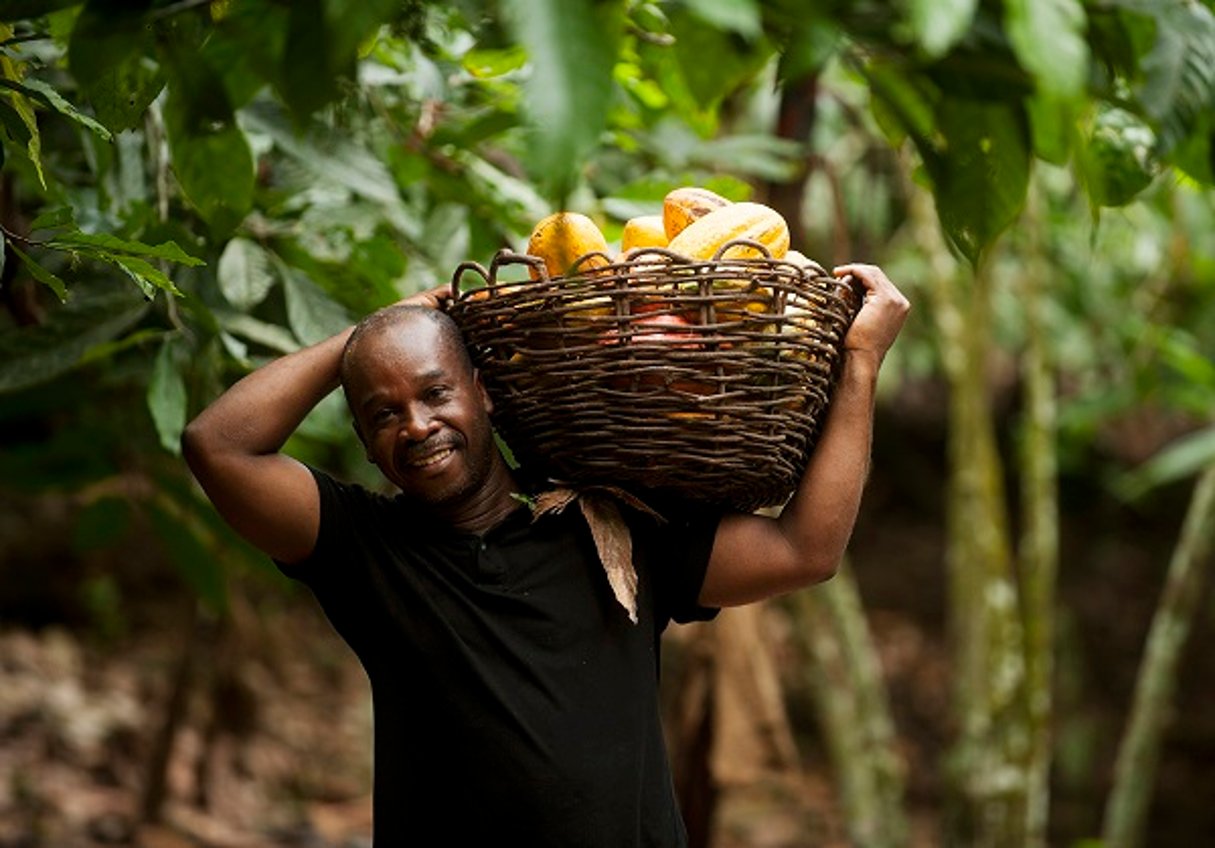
point(429, 458)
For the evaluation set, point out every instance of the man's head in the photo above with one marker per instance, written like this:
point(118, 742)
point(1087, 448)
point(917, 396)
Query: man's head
point(418, 404)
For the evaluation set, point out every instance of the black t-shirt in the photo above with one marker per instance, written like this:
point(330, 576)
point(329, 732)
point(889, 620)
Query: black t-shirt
point(512, 695)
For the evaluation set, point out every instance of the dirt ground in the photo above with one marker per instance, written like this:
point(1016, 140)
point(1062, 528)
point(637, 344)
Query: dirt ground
point(275, 754)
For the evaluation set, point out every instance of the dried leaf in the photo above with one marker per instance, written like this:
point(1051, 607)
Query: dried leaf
point(552, 501)
point(615, 547)
point(609, 530)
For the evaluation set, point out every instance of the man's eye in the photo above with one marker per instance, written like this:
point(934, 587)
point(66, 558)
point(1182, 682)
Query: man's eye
point(382, 415)
point(438, 393)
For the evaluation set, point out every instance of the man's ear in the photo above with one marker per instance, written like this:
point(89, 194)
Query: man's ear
point(486, 400)
point(354, 425)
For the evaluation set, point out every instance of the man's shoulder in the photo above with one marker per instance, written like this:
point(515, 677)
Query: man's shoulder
point(337, 494)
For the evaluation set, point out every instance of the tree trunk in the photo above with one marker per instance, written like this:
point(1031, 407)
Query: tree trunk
point(853, 711)
point(987, 805)
point(155, 788)
point(795, 121)
point(1039, 547)
point(1135, 771)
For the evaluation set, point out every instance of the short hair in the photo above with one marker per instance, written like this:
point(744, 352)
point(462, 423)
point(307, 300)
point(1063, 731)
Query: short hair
point(389, 317)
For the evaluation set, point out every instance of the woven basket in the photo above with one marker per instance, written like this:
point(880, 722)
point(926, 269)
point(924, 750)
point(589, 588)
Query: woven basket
point(704, 379)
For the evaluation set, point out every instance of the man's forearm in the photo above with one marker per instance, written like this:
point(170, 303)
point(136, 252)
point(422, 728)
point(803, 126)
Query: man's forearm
point(259, 413)
point(820, 517)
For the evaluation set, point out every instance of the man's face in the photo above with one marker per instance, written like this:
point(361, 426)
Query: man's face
point(422, 413)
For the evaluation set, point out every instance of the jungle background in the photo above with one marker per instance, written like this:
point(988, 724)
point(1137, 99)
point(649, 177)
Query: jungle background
point(1014, 653)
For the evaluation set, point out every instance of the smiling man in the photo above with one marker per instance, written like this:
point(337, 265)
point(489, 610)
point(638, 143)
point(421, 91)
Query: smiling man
point(421, 412)
point(513, 697)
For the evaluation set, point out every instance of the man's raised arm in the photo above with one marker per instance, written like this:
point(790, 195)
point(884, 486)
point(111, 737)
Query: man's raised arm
point(233, 446)
point(755, 557)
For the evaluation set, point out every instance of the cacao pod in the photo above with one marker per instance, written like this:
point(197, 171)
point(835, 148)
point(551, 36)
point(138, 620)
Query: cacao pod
point(682, 206)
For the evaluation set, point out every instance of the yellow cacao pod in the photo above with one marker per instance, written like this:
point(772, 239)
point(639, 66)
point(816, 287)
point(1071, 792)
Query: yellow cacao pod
point(804, 262)
point(643, 231)
point(563, 237)
point(704, 237)
point(682, 206)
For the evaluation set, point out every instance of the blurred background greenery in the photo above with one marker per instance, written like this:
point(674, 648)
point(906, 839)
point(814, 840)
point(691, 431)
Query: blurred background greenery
point(192, 188)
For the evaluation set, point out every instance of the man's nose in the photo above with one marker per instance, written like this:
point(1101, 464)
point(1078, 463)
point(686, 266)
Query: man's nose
point(418, 423)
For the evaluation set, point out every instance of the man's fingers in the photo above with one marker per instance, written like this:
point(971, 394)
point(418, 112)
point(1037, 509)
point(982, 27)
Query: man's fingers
point(875, 281)
point(870, 276)
point(434, 298)
point(883, 313)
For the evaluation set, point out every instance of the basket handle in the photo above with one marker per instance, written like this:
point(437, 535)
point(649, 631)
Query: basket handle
point(577, 268)
point(458, 275)
point(509, 257)
point(760, 246)
point(490, 275)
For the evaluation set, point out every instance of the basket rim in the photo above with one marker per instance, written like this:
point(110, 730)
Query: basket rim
point(642, 258)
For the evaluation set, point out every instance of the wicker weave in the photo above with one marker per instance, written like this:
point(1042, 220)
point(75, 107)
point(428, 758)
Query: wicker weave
point(591, 387)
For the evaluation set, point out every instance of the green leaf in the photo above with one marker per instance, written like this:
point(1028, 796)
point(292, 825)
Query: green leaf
point(981, 174)
point(489, 63)
point(1179, 72)
point(312, 314)
point(1196, 155)
point(328, 421)
point(901, 104)
point(166, 397)
point(41, 274)
point(24, 109)
point(323, 39)
point(734, 62)
point(809, 47)
point(50, 219)
point(311, 67)
point(57, 102)
point(741, 16)
point(198, 565)
point(244, 273)
point(1117, 161)
point(13, 123)
point(572, 46)
point(108, 53)
point(331, 157)
point(1185, 457)
point(11, 10)
point(32, 355)
point(99, 243)
point(105, 350)
point(268, 335)
point(939, 24)
point(1183, 353)
point(211, 156)
point(1048, 38)
point(760, 155)
point(1052, 123)
point(148, 277)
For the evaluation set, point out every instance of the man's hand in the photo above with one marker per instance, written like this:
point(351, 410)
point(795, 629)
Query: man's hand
point(435, 298)
point(882, 313)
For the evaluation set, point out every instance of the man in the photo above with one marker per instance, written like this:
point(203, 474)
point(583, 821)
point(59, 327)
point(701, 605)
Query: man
point(513, 697)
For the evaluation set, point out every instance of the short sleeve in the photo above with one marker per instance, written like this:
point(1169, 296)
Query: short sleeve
point(338, 501)
point(676, 554)
point(349, 540)
point(339, 571)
